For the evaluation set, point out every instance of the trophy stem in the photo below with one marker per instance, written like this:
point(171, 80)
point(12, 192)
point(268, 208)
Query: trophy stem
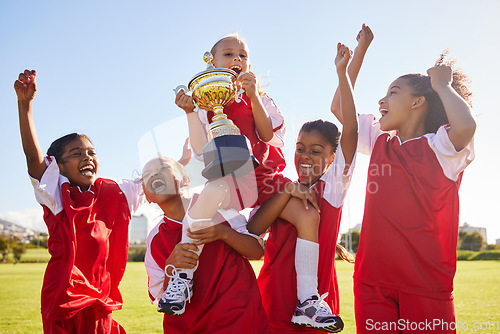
point(221, 125)
point(219, 114)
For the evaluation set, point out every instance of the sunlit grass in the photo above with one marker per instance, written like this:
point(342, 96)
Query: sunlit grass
point(477, 297)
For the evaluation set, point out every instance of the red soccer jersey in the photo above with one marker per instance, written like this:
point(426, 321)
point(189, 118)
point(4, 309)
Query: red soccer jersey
point(410, 226)
point(88, 242)
point(278, 279)
point(226, 296)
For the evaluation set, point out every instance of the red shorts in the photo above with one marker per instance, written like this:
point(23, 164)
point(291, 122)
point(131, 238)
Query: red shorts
point(384, 310)
point(89, 320)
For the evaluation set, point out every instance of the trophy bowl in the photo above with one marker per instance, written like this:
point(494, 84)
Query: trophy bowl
point(214, 88)
point(227, 151)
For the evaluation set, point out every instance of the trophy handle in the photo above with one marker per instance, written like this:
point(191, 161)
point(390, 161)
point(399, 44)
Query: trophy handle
point(179, 88)
point(186, 90)
point(237, 98)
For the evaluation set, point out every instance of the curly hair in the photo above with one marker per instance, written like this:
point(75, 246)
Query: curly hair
point(326, 129)
point(436, 115)
point(58, 146)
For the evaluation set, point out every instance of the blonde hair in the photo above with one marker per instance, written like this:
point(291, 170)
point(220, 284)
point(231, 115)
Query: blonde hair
point(240, 39)
point(235, 36)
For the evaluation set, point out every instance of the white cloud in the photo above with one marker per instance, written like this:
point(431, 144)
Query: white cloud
point(29, 218)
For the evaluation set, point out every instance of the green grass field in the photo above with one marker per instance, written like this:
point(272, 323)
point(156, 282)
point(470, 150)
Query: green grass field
point(477, 298)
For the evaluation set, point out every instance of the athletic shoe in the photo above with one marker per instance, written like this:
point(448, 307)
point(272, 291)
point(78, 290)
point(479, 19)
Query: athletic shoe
point(315, 312)
point(179, 289)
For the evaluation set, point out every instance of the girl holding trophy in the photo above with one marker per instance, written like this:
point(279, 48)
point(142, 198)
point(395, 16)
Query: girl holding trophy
point(261, 122)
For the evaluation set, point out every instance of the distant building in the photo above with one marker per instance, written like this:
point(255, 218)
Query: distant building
point(498, 241)
point(138, 229)
point(471, 229)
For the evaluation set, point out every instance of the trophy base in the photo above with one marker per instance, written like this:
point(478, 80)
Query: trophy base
point(227, 155)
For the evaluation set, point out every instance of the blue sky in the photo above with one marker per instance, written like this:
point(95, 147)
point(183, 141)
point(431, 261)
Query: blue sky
point(107, 69)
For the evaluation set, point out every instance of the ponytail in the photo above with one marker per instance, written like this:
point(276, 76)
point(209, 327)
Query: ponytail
point(344, 254)
point(436, 115)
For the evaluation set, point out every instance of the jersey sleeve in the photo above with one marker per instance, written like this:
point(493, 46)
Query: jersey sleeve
point(369, 130)
point(132, 189)
point(48, 189)
point(155, 272)
point(277, 120)
point(337, 179)
point(452, 162)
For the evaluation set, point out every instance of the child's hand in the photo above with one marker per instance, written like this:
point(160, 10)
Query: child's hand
point(365, 37)
point(25, 86)
point(185, 102)
point(209, 234)
point(248, 81)
point(342, 59)
point(302, 192)
point(441, 75)
point(183, 256)
point(186, 153)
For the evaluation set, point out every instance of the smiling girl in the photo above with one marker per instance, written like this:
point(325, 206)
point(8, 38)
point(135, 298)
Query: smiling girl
point(324, 169)
point(87, 219)
point(227, 298)
point(261, 122)
point(424, 139)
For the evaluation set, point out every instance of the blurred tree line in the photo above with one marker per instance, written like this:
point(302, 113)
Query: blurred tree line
point(466, 241)
point(16, 246)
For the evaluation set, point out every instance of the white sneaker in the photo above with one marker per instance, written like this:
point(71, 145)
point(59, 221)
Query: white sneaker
point(315, 312)
point(179, 289)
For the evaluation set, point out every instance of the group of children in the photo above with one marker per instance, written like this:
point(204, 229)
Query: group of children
point(425, 135)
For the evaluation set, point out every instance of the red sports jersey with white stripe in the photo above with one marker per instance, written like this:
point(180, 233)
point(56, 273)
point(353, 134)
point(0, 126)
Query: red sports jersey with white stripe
point(410, 225)
point(226, 296)
point(278, 279)
point(88, 242)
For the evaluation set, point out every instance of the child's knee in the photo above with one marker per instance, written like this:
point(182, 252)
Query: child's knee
point(311, 216)
point(214, 192)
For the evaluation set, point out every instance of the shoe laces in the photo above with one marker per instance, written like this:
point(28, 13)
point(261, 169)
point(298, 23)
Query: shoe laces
point(176, 285)
point(322, 308)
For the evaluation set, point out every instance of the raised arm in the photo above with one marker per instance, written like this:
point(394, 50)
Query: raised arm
point(364, 38)
point(349, 138)
point(460, 118)
point(247, 245)
point(262, 119)
point(197, 133)
point(26, 87)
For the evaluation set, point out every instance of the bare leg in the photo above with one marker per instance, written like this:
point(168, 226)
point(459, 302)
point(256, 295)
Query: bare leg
point(306, 222)
point(213, 197)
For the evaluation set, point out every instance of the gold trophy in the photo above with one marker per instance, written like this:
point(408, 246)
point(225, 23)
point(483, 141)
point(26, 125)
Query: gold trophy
point(226, 152)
